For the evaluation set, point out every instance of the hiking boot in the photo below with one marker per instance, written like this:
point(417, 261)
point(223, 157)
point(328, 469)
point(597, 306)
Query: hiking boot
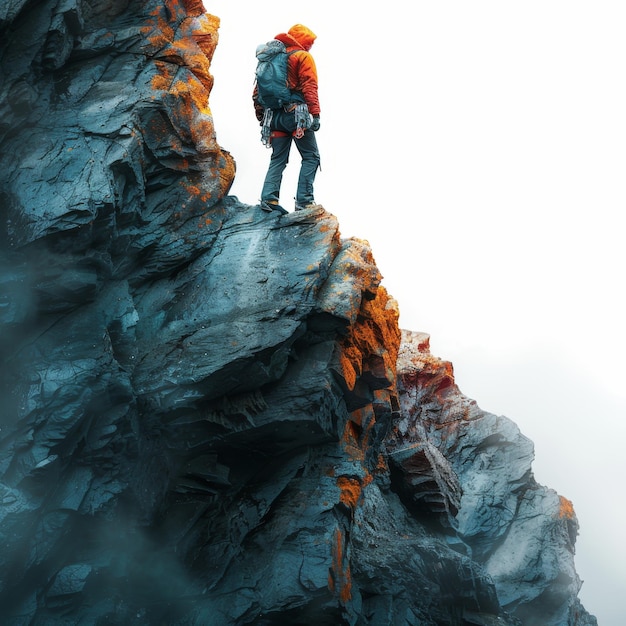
point(307, 206)
point(272, 205)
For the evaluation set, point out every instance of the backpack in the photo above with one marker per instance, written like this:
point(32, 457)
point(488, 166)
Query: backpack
point(271, 75)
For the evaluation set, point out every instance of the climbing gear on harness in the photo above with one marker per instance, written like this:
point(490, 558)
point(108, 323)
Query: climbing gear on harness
point(266, 132)
point(303, 120)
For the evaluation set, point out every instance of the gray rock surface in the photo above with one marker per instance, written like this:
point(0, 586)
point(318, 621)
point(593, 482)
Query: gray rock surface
point(521, 532)
point(209, 414)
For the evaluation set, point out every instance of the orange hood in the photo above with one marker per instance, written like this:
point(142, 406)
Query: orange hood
point(302, 35)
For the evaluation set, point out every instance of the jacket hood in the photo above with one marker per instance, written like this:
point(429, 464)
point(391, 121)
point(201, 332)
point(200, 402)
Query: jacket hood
point(298, 35)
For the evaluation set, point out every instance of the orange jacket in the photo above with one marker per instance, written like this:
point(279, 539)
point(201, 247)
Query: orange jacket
point(301, 70)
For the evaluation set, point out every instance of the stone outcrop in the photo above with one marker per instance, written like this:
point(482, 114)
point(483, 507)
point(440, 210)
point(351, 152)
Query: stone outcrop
point(522, 533)
point(209, 413)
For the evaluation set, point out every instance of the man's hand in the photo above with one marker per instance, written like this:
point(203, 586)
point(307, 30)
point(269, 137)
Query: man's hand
point(315, 125)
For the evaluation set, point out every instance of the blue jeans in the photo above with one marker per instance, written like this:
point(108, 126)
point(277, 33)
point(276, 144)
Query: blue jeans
point(281, 146)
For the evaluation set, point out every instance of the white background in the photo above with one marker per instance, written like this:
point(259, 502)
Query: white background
point(480, 147)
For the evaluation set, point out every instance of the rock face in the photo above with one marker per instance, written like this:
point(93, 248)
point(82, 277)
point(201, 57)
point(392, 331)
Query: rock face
point(480, 480)
point(209, 414)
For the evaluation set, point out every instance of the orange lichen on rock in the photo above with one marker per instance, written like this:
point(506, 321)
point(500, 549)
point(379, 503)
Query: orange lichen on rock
point(350, 490)
point(180, 49)
point(350, 442)
point(345, 592)
point(373, 342)
point(339, 576)
point(183, 36)
point(162, 80)
point(158, 30)
point(194, 7)
point(349, 365)
point(206, 33)
point(382, 467)
point(201, 194)
point(566, 508)
point(180, 41)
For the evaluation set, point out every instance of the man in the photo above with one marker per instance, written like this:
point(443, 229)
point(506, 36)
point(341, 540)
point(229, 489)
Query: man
point(284, 126)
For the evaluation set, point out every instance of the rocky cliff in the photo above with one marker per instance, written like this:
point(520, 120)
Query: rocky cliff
point(209, 414)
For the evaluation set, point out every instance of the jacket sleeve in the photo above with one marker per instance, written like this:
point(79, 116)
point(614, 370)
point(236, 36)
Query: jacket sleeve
point(303, 77)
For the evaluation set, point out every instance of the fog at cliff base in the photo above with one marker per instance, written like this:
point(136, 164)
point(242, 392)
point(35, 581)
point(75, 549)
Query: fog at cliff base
point(480, 148)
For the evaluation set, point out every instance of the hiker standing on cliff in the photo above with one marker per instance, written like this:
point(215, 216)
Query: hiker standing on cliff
point(292, 117)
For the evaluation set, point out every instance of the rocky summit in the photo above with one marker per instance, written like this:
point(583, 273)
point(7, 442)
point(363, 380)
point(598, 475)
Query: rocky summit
point(209, 413)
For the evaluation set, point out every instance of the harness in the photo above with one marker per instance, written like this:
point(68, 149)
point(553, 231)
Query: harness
point(303, 121)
